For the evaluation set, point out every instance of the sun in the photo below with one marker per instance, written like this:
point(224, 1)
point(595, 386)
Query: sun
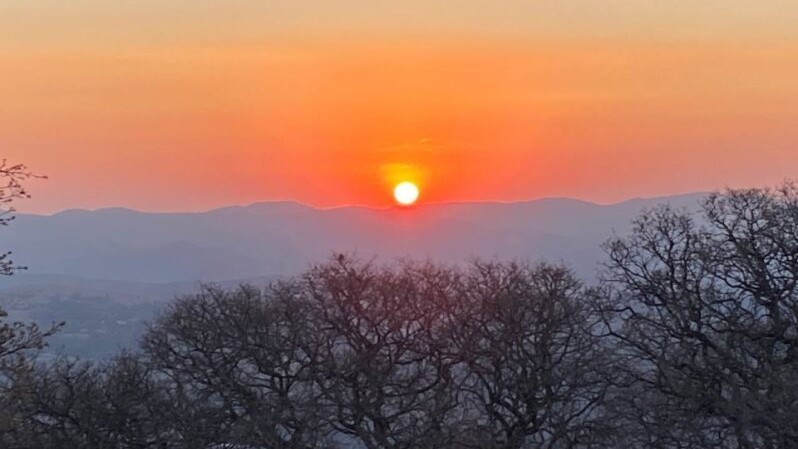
point(405, 193)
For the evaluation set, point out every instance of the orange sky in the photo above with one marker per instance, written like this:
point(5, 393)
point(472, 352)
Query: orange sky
point(193, 105)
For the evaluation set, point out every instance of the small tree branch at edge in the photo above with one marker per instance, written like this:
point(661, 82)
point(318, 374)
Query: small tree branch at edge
point(12, 189)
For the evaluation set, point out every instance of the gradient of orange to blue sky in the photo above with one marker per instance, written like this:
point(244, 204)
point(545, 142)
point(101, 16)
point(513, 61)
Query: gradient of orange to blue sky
point(188, 105)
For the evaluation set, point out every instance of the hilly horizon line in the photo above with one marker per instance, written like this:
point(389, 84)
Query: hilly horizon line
point(282, 237)
point(366, 207)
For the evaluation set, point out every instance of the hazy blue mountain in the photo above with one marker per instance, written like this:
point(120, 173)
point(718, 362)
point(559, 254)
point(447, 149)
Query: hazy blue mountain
point(107, 272)
point(282, 237)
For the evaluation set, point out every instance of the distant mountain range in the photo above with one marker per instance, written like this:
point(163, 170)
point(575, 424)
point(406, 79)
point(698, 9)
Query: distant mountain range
point(107, 273)
point(277, 238)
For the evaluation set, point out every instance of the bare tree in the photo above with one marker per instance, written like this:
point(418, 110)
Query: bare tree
point(11, 191)
point(118, 404)
point(533, 362)
point(405, 356)
point(244, 354)
point(386, 378)
point(18, 341)
point(705, 312)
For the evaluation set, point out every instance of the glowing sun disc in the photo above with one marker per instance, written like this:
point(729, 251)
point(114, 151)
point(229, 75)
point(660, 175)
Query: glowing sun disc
point(405, 193)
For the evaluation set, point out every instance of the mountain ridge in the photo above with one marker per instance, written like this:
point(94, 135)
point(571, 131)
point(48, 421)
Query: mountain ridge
point(122, 209)
point(281, 238)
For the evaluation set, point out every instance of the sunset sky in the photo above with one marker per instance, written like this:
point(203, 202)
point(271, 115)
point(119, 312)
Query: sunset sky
point(190, 105)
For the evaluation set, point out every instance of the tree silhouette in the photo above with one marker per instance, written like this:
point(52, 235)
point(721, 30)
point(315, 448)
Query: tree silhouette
point(705, 312)
point(17, 340)
point(11, 190)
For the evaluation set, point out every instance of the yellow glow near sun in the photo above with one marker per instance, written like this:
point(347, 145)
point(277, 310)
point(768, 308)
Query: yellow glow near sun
point(405, 193)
